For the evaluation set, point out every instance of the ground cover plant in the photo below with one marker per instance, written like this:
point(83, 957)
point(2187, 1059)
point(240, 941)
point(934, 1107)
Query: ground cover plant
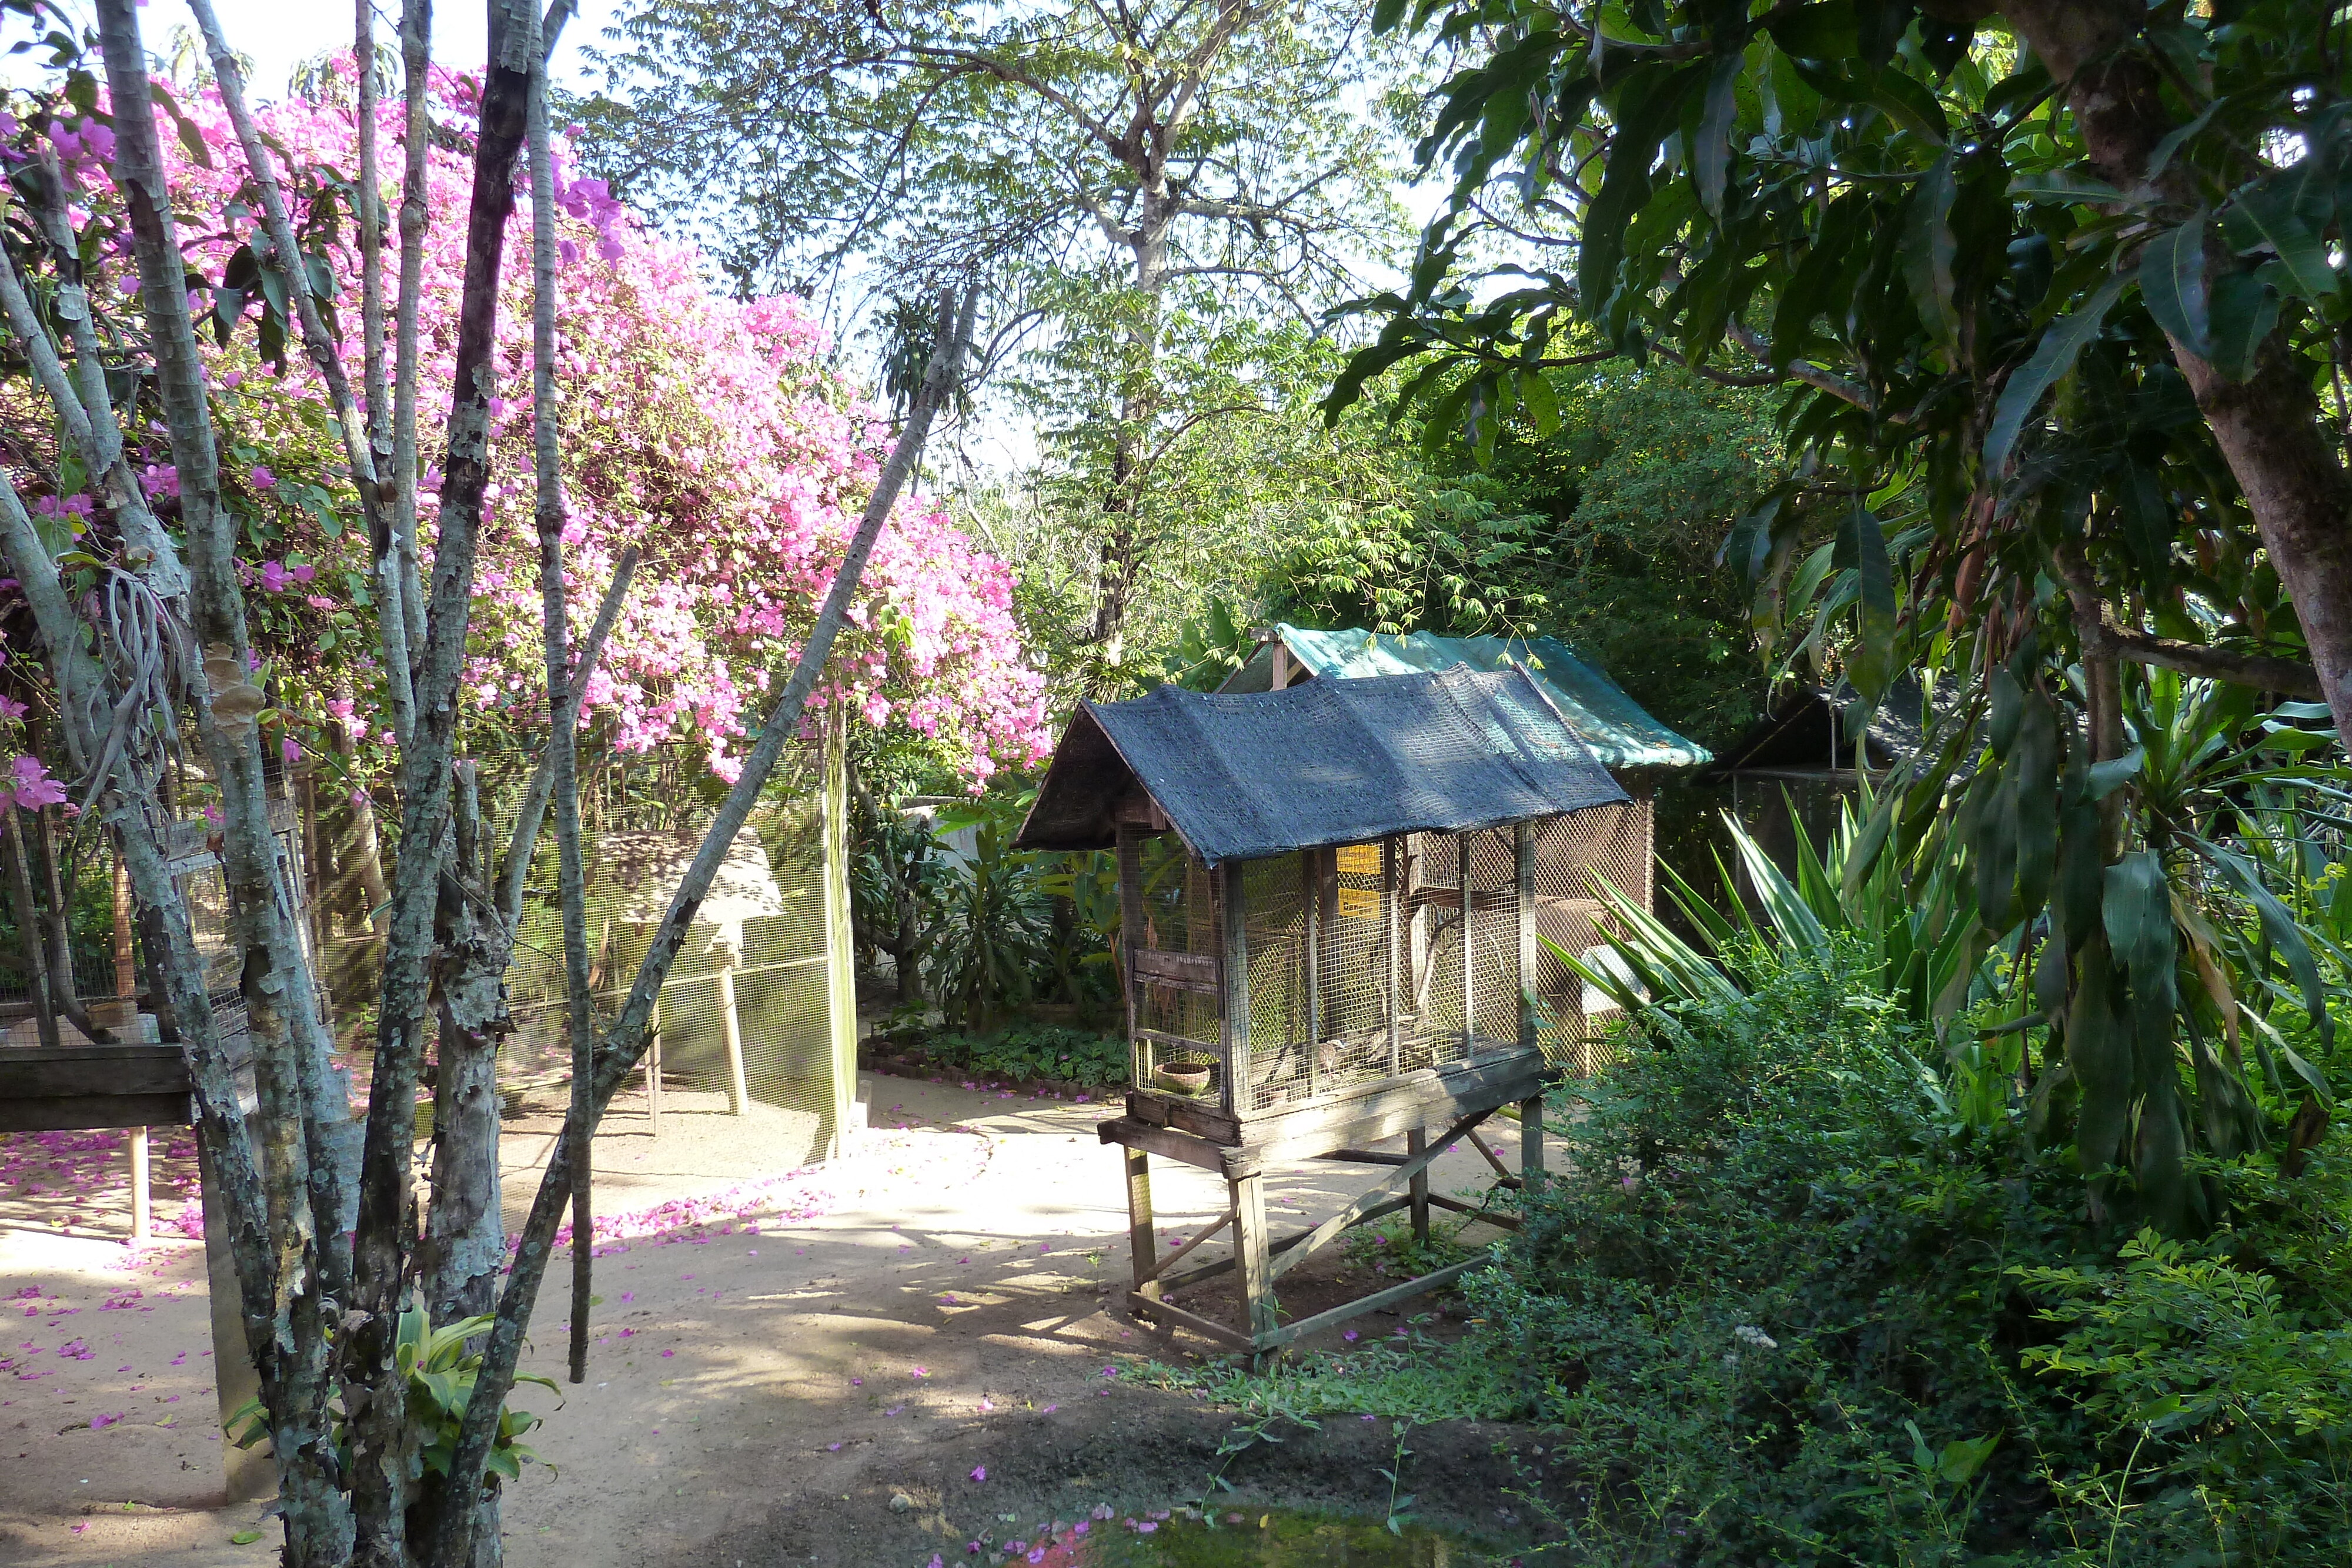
point(1048, 1053)
point(1787, 1304)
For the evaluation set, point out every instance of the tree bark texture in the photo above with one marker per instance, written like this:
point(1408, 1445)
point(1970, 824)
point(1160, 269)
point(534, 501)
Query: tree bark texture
point(374, 1389)
point(2268, 426)
point(624, 1043)
point(292, 1070)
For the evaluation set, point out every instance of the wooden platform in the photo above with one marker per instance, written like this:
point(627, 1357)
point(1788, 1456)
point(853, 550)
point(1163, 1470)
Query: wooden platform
point(1449, 1102)
point(75, 1087)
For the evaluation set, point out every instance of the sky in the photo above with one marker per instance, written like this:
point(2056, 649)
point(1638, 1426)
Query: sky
point(279, 35)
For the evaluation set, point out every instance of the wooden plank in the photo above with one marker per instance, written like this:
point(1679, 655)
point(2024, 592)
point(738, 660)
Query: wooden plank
point(1502, 1171)
point(1416, 1145)
point(91, 1113)
point(1250, 1253)
point(1142, 1245)
point(1160, 1266)
point(40, 1071)
point(1143, 1137)
point(1205, 1120)
point(1392, 864)
point(1147, 1108)
point(1363, 1157)
point(1531, 1147)
point(1523, 864)
point(1234, 952)
point(1151, 1307)
point(1193, 971)
point(1187, 1278)
point(1414, 1169)
point(1289, 1333)
point(1473, 1087)
point(1504, 1221)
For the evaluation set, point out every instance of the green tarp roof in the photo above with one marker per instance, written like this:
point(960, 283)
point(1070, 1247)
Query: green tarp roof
point(1618, 731)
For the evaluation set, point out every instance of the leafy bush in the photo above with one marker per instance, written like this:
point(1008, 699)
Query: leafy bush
point(1033, 1051)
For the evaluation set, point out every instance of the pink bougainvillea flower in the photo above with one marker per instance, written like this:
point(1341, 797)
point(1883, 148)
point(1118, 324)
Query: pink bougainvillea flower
point(980, 1472)
point(263, 479)
point(273, 576)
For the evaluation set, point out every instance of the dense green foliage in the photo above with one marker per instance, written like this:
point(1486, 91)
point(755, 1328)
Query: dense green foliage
point(1783, 1304)
point(1047, 1053)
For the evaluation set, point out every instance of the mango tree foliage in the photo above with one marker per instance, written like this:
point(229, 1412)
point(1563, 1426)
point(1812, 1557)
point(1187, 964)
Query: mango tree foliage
point(709, 432)
point(2055, 289)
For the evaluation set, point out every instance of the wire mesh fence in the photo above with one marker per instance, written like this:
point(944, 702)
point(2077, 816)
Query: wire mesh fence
point(759, 1006)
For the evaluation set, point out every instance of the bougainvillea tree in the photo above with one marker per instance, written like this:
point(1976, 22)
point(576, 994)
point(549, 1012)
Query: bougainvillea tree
point(202, 530)
point(709, 432)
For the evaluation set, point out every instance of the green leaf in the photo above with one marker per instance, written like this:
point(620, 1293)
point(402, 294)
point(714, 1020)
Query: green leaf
point(2172, 282)
point(2244, 310)
point(2279, 924)
point(1542, 404)
point(2063, 186)
point(1873, 662)
point(2052, 357)
point(1960, 1460)
point(2265, 218)
point(1929, 247)
point(1712, 156)
point(244, 1537)
point(1650, 101)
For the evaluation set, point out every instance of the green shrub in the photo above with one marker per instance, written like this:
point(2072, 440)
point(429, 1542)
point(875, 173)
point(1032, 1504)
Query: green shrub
point(1029, 1052)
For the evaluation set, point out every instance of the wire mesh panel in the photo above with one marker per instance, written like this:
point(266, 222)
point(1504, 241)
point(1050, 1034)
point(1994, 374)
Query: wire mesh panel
point(1433, 946)
point(1491, 891)
point(750, 984)
point(1175, 968)
point(1579, 857)
point(1280, 1066)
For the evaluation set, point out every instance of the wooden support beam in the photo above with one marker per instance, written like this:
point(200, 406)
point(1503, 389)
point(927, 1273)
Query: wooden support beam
point(1152, 1307)
point(141, 1207)
point(1232, 920)
point(1201, 1271)
point(1290, 1332)
point(1475, 1211)
point(1165, 1142)
point(1143, 1244)
point(1250, 1253)
point(1522, 863)
point(1417, 1142)
point(1502, 1171)
point(1365, 1158)
point(1413, 1166)
point(1531, 1148)
point(1159, 1265)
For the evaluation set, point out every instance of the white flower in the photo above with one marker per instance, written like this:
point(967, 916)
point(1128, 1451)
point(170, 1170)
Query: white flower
point(1748, 1333)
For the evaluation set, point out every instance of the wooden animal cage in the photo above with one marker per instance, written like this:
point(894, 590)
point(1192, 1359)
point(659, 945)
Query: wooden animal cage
point(1332, 901)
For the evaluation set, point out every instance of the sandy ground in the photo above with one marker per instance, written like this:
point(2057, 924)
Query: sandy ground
point(905, 1351)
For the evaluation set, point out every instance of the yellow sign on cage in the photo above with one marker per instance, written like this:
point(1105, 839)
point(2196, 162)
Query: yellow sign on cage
point(1361, 860)
point(1359, 903)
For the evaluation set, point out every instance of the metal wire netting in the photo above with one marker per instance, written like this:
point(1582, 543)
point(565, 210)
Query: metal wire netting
point(1574, 856)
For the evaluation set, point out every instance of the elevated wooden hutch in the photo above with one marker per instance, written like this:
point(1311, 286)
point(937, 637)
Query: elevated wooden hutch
point(1330, 909)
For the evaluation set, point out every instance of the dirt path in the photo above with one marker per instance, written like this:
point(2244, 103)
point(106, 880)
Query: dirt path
point(777, 1358)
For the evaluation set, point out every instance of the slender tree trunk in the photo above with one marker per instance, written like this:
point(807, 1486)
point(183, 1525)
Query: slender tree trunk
point(373, 1387)
point(416, 137)
point(2267, 426)
point(37, 988)
point(288, 1052)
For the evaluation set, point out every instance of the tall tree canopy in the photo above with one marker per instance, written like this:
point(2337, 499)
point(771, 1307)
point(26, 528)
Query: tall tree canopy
point(1141, 180)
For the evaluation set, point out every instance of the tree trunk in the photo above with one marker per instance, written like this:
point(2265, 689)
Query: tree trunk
point(1120, 567)
point(2268, 426)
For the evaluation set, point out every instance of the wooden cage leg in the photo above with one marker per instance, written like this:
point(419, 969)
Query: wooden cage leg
point(1251, 1252)
point(1531, 1149)
point(141, 1204)
point(739, 1095)
point(1416, 1142)
point(1140, 1241)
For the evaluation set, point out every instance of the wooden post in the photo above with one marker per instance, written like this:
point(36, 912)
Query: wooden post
point(1129, 852)
point(1310, 875)
point(737, 1095)
point(1416, 1142)
point(141, 1209)
point(1531, 1149)
point(1469, 943)
point(1392, 883)
point(1143, 1244)
point(1250, 1253)
point(1281, 675)
point(1236, 984)
point(1523, 862)
point(653, 1078)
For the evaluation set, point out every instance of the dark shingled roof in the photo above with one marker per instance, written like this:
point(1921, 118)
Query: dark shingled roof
point(1331, 762)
